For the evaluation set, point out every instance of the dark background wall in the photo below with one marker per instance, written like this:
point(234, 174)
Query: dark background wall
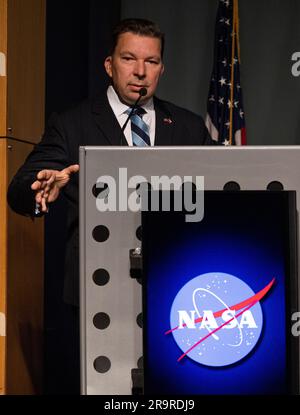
point(78, 40)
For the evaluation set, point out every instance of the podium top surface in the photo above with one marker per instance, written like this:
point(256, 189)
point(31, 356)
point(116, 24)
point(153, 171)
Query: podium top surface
point(193, 148)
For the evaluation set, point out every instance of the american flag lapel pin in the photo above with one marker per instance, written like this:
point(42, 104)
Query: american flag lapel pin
point(168, 121)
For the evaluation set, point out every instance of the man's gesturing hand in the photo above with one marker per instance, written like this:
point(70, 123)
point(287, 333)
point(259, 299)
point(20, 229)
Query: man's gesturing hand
point(48, 184)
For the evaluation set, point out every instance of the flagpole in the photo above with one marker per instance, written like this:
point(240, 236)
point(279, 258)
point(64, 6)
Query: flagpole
point(237, 22)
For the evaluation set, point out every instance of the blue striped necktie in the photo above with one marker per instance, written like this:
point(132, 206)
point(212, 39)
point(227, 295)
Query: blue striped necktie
point(139, 129)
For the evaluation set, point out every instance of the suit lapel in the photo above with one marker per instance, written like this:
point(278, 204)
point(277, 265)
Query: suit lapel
point(107, 122)
point(164, 124)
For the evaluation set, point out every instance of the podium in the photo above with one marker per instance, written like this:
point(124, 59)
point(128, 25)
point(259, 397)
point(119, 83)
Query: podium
point(110, 295)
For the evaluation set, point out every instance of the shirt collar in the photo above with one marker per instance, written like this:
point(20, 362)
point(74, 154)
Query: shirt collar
point(120, 108)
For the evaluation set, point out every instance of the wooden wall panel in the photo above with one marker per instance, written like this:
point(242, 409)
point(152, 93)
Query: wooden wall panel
point(3, 78)
point(26, 69)
point(22, 103)
point(3, 263)
point(24, 354)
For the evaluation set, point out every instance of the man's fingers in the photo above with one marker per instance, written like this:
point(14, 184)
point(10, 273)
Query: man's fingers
point(36, 185)
point(44, 205)
point(49, 184)
point(51, 180)
point(39, 185)
point(74, 168)
point(39, 196)
point(45, 174)
point(43, 198)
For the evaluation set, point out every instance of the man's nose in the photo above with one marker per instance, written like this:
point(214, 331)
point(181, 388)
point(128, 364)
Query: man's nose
point(140, 69)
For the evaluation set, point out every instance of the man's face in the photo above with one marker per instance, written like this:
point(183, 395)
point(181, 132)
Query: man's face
point(135, 63)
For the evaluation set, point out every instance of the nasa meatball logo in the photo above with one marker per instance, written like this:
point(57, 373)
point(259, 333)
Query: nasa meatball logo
point(216, 319)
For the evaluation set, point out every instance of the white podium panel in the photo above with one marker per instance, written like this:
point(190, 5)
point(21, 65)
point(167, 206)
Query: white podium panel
point(110, 300)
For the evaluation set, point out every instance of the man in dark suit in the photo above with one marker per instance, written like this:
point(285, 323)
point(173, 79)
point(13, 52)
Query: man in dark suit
point(135, 63)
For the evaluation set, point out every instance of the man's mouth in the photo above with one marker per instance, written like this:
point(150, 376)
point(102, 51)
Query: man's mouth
point(138, 86)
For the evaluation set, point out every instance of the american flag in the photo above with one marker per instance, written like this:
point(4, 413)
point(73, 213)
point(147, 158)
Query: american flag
point(225, 112)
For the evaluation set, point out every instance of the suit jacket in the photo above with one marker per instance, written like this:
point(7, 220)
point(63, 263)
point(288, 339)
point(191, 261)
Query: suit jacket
point(92, 122)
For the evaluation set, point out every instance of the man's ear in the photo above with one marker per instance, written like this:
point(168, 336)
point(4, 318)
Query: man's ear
point(108, 66)
point(162, 69)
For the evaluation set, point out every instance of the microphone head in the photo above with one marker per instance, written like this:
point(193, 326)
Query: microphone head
point(143, 92)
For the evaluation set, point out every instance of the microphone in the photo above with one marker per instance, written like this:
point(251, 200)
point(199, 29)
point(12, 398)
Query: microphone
point(142, 93)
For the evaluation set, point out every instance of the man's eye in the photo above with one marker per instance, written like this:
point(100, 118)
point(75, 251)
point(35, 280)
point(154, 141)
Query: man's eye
point(127, 58)
point(153, 62)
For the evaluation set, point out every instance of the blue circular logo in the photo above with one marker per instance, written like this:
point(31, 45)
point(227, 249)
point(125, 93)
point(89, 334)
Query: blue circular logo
point(216, 319)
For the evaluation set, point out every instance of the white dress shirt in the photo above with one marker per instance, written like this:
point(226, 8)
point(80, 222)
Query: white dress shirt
point(120, 109)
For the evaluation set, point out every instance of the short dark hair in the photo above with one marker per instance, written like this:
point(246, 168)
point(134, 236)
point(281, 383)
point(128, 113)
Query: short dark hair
point(141, 27)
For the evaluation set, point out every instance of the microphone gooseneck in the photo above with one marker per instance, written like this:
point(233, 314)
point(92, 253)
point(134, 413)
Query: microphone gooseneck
point(142, 93)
